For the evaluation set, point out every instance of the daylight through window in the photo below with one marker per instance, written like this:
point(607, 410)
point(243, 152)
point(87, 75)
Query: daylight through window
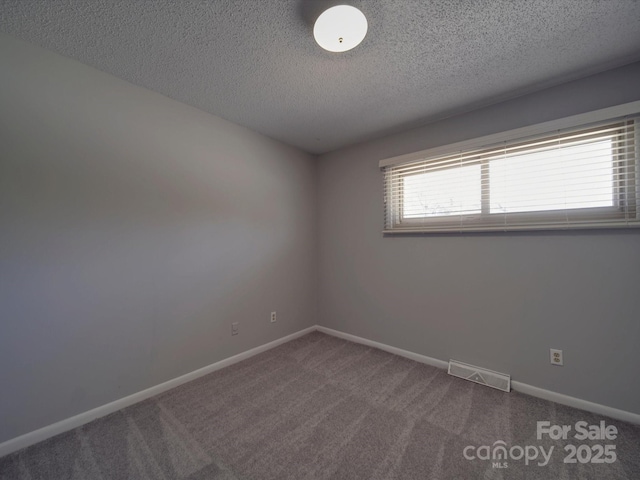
point(580, 177)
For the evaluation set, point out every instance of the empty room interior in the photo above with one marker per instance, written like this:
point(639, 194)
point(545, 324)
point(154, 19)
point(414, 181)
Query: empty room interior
point(309, 239)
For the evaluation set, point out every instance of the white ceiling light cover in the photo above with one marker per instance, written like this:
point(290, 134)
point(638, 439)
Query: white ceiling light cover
point(340, 28)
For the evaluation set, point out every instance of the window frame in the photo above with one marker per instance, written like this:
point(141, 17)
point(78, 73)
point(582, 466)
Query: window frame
point(487, 148)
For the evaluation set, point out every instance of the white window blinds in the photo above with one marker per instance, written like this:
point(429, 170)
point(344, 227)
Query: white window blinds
point(578, 177)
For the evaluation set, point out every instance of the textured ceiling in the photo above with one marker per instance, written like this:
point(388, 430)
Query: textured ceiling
point(255, 62)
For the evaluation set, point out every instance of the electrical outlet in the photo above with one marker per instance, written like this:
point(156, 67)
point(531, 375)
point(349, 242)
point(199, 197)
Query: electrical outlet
point(556, 357)
point(273, 317)
point(234, 328)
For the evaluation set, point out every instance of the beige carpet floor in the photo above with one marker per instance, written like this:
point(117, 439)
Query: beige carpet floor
point(319, 407)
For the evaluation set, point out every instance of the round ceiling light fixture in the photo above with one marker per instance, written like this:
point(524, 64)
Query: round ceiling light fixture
point(340, 28)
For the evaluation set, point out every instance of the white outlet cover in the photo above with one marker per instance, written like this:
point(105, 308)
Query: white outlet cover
point(555, 356)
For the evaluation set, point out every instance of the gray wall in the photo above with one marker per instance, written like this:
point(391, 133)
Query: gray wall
point(495, 300)
point(133, 231)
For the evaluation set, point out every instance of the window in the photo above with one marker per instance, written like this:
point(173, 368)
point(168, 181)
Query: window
point(582, 176)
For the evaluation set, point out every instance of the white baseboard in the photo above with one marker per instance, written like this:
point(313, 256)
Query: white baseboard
point(434, 362)
point(576, 402)
point(517, 386)
point(49, 431)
